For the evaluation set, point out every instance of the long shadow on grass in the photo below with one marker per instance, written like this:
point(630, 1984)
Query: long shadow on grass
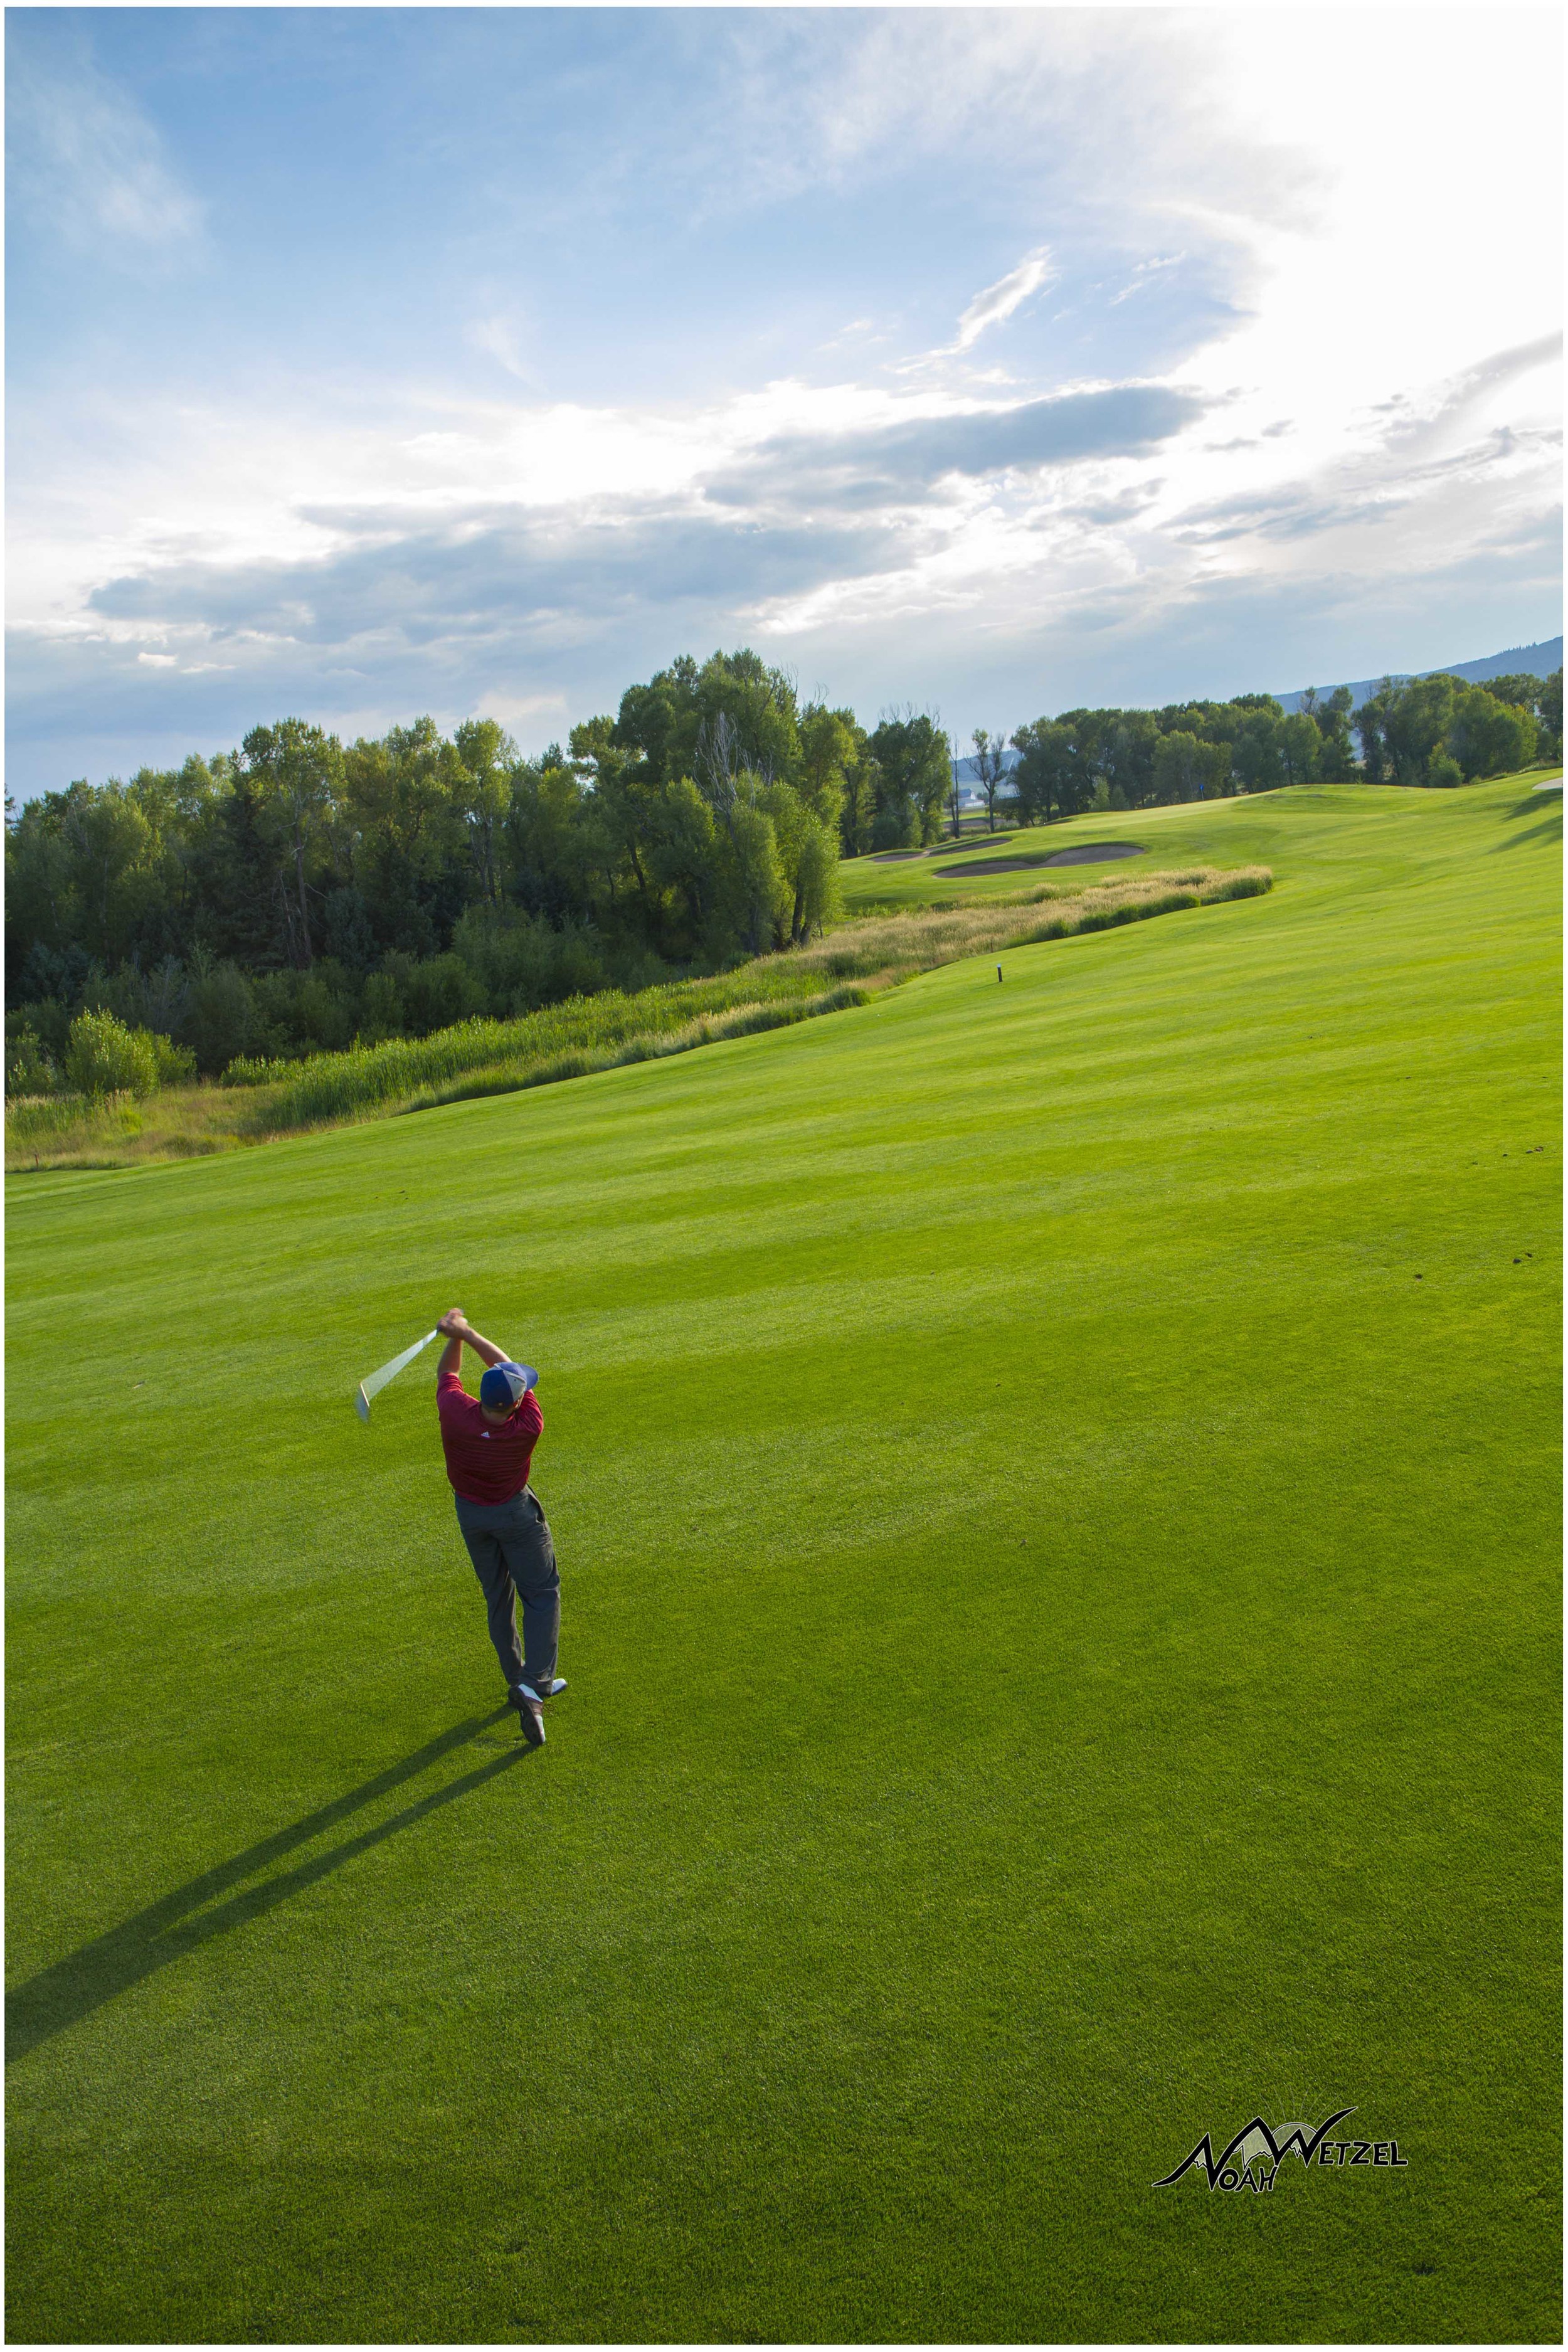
point(73, 1988)
point(1551, 825)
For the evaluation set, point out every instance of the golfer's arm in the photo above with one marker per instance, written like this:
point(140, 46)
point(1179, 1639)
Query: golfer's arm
point(481, 1346)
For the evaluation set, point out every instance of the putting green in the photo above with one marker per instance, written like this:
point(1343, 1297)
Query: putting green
point(1056, 1490)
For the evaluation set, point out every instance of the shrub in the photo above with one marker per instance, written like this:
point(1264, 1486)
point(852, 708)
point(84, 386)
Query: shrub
point(307, 1012)
point(895, 826)
point(521, 962)
point(439, 993)
point(380, 1009)
point(28, 1068)
point(321, 1015)
point(104, 1057)
point(176, 1064)
point(221, 1020)
point(50, 1021)
point(156, 1000)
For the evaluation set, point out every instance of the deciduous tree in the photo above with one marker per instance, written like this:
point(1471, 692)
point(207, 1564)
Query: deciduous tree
point(990, 770)
point(296, 772)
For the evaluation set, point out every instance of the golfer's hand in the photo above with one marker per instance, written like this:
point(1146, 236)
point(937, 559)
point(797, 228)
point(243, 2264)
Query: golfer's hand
point(454, 1323)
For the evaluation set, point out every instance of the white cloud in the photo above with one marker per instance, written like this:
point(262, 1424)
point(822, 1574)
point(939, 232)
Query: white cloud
point(997, 302)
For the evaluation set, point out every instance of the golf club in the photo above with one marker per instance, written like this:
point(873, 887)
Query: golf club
point(374, 1382)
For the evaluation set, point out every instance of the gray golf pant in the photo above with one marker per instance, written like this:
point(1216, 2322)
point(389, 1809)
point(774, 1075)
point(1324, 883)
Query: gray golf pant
point(514, 1560)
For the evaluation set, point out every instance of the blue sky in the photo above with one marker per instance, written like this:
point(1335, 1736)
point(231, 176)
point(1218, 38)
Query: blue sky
point(365, 363)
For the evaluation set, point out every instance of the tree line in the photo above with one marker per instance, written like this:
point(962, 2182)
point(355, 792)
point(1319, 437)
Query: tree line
point(1428, 731)
point(1441, 732)
point(1188, 751)
point(298, 893)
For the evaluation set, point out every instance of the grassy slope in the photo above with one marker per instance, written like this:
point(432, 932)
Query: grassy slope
point(1061, 1626)
point(586, 1033)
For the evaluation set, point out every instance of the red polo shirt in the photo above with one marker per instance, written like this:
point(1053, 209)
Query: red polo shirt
point(485, 1464)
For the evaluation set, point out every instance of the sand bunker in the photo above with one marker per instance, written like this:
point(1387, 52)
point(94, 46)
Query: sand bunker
point(1093, 852)
point(994, 865)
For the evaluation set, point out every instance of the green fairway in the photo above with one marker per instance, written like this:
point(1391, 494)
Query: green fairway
point(1055, 1491)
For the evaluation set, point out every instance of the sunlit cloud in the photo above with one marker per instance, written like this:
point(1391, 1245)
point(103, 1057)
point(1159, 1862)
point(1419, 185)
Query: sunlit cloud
point(999, 301)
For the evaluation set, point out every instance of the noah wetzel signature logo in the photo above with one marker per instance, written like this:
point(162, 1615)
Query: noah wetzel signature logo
point(1252, 2158)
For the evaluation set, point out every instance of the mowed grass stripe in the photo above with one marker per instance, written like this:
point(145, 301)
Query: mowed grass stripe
point(1061, 1626)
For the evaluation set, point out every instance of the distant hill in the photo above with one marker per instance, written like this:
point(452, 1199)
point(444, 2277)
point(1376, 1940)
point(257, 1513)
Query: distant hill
point(1540, 660)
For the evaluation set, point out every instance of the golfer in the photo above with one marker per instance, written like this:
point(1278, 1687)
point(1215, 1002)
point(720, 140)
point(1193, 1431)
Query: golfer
point(489, 1444)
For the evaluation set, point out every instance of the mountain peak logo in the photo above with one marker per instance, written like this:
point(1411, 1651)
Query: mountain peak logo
point(1252, 2158)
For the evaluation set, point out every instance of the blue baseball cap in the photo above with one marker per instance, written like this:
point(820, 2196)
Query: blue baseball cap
point(504, 1386)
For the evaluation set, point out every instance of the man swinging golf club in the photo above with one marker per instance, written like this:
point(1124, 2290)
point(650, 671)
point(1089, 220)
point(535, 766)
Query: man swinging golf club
point(489, 1444)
